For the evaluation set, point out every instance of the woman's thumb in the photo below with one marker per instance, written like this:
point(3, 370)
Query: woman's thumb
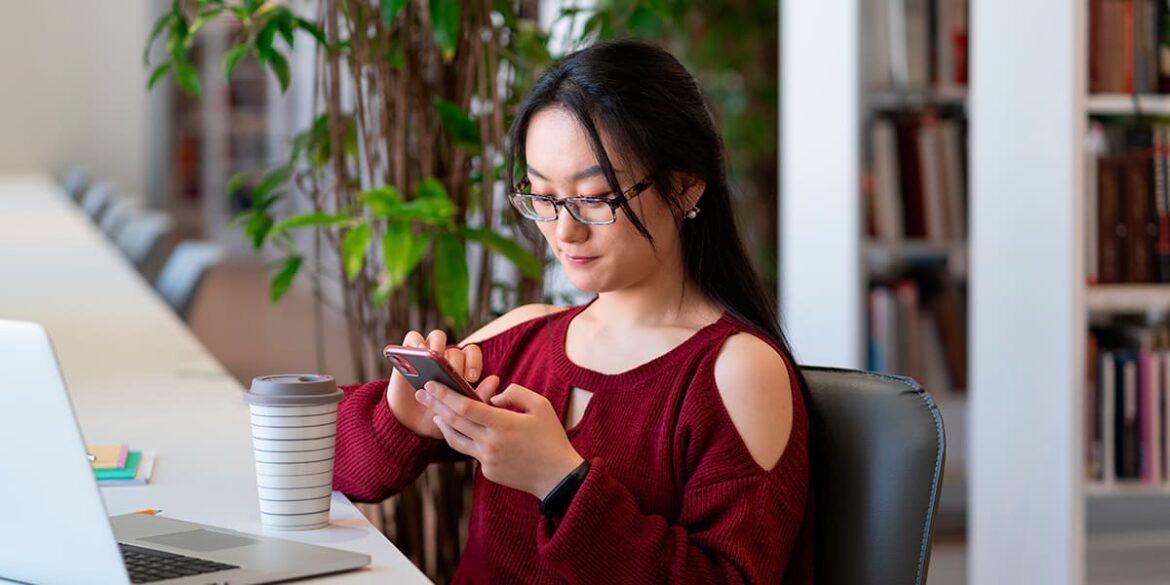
point(488, 387)
point(514, 397)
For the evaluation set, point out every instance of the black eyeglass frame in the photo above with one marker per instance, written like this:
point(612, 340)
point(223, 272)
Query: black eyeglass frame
point(569, 202)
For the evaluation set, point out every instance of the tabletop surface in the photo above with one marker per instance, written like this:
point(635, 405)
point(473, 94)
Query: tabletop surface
point(136, 374)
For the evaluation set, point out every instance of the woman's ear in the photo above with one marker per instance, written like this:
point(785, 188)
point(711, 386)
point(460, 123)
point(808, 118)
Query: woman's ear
point(693, 189)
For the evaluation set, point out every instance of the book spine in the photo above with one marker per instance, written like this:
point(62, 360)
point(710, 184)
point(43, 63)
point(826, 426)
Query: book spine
point(1108, 383)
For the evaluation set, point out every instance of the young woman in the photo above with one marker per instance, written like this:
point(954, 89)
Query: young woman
point(655, 434)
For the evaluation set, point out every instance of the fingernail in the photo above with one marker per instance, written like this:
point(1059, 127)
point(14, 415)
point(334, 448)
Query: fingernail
point(435, 419)
point(421, 396)
point(472, 373)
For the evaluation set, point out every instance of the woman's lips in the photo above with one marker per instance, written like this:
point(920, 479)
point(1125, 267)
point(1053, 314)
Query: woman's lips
point(579, 260)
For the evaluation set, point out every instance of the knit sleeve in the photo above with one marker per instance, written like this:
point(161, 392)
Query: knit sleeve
point(376, 456)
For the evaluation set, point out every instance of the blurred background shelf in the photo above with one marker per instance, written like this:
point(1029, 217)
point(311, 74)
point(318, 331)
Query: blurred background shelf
point(1128, 297)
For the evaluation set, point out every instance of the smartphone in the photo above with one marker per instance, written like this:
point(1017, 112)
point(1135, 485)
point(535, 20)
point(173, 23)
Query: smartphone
point(420, 365)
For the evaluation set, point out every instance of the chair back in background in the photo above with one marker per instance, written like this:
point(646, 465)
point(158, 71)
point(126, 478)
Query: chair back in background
point(879, 448)
point(96, 198)
point(117, 214)
point(184, 271)
point(142, 236)
point(74, 180)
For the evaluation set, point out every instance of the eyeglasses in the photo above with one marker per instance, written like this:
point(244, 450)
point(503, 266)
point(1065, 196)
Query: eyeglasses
point(587, 210)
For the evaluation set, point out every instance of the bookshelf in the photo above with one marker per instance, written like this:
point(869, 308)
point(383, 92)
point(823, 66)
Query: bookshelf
point(873, 203)
point(1030, 508)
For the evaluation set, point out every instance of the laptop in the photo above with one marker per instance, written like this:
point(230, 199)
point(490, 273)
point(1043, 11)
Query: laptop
point(54, 527)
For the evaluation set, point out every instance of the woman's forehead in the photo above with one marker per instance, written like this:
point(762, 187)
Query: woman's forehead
point(558, 149)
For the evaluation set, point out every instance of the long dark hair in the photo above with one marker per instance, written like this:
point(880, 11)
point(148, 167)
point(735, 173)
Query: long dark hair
point(651, 106)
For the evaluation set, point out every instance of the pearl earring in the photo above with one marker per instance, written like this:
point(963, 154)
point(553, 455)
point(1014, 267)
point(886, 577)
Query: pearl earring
point(694, 212)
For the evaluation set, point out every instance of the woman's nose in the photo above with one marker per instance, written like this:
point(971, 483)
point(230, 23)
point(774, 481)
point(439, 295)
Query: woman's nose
point(569, 229)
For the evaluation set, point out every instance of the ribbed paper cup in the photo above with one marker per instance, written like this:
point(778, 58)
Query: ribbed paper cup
point(294, 430)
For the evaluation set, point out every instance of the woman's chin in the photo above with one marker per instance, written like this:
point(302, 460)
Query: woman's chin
point(586, 283)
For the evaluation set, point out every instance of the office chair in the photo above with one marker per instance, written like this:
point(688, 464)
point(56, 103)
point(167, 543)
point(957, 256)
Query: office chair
point(74, 181)
point(117, 214)
point(96, 198)
point(184, 272)
point(879, 449)
point(142, 237)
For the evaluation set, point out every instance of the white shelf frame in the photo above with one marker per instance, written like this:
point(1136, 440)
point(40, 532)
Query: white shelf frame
point(1127, 489)
point(1027, 292)
point(1123, 104)
point(1128, 297)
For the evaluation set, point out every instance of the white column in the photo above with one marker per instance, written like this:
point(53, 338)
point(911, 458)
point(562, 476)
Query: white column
point(820, 195)
point(1026, 507)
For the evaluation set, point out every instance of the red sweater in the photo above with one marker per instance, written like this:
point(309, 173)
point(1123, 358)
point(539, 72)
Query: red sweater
point(673, 495)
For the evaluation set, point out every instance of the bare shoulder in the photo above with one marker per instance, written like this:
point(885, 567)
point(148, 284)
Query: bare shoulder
point(756, 389)
point(511, 319)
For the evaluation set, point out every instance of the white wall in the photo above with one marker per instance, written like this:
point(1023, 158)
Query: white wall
point(73, 90)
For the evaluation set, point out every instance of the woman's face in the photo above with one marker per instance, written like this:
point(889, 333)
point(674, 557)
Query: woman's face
point(596, 258)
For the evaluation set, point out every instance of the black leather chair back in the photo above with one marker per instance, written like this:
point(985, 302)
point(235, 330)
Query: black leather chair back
point(879, 450)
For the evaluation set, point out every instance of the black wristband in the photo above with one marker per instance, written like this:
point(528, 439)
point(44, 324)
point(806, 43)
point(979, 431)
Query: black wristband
point(557, 501)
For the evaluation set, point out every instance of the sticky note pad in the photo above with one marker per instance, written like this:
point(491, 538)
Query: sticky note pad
point(108, 456)
point(126, 472)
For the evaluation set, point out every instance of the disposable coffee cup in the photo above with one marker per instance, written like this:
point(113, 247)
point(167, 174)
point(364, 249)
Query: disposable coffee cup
point(294, 430)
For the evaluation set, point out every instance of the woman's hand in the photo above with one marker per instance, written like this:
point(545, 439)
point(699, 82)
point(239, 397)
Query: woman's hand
point(517, 438)
point(467, 362)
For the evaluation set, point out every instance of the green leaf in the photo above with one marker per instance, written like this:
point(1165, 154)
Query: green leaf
point(236, 182)
point(383, 201)
point(233, 57)
point(204, 18)
point(163, 22)
point(459, 126)
point(396, 248)
point(390, 9)
point(252, 5)
point(380, 295)
point(418, 249)
point(158, 73)
point(401, 254)
point(275, 177)
point(445, 15)
point(431, 211)
point(284, 26)
point(514, 252)
point(284, 278)
point(257, 229)
point(353, 249)
point(313, 30)
point(279, 66)
point(431, 188)
point(304, 220)
point(452, 281)
point(265, 38)
point(188, 79)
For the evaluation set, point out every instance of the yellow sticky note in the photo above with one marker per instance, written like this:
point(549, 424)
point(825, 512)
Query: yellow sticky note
point(108, 456)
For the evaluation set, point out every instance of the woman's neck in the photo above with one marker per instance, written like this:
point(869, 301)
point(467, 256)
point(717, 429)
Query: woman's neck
point(665, 299)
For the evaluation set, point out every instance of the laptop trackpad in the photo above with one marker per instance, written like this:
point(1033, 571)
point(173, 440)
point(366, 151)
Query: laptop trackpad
point(200, 540)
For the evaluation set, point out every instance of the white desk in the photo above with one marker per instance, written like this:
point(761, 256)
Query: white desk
point(136, 374)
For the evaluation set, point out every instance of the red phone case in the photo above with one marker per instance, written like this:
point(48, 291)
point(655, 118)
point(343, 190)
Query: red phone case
point(421, 365)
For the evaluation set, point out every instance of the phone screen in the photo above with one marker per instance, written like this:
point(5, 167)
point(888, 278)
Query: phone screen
point(421, 365)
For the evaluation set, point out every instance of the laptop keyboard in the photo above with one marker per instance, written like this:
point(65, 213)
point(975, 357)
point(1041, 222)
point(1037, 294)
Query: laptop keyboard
point(147, 566)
